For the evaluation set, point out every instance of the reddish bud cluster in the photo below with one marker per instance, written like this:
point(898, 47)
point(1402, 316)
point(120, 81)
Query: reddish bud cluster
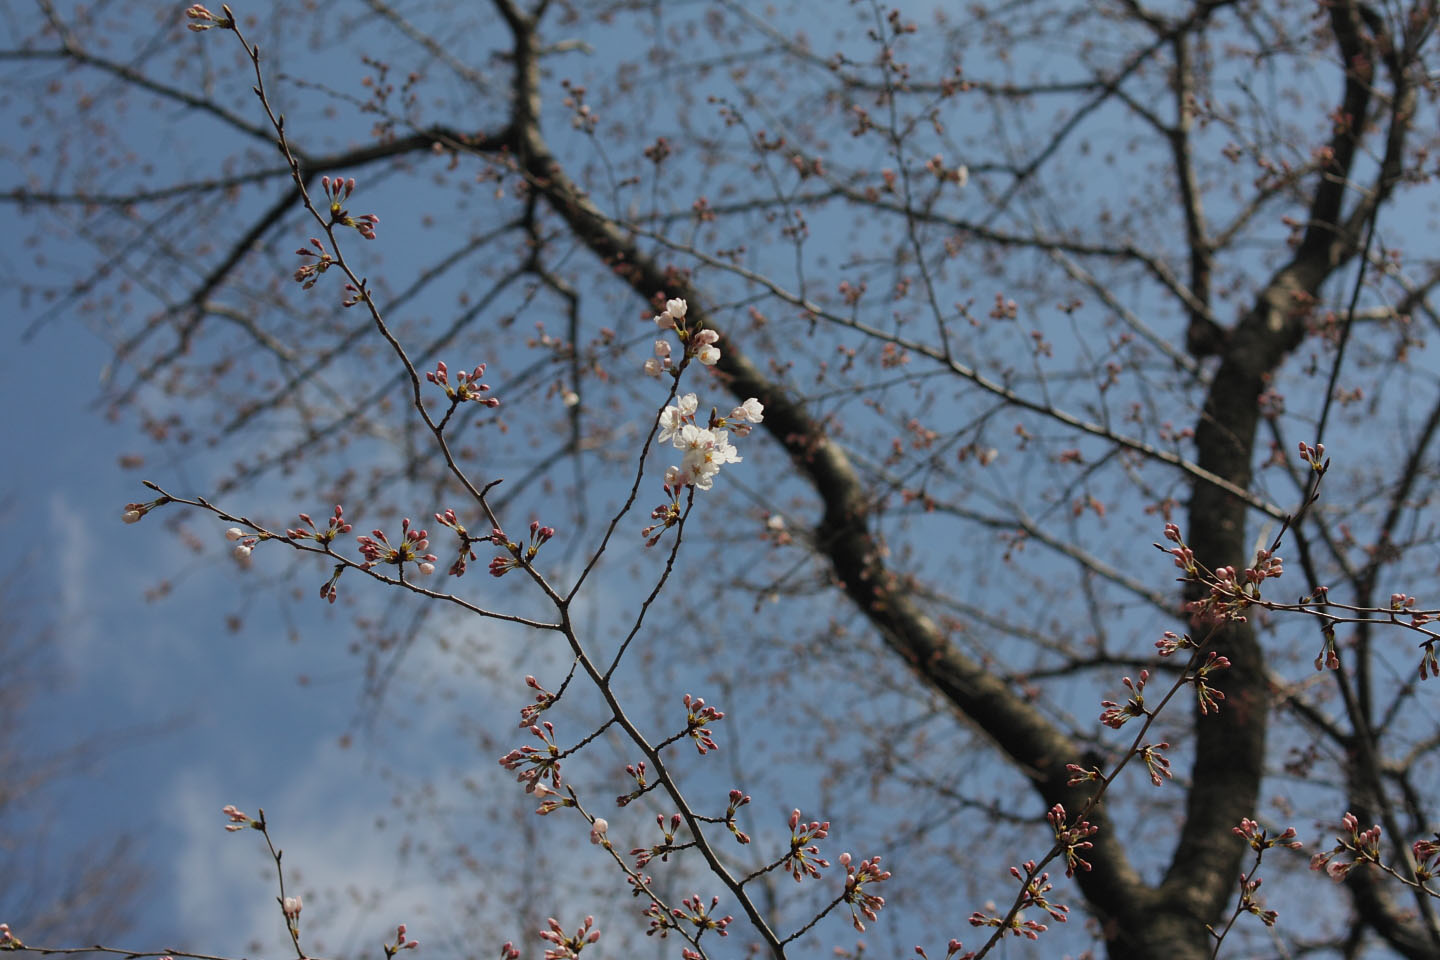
point(400, 943)
point(468, 386)
point(539, 536)
point(636, 772)
point(1073, 838)
point(376, 549)
point(1116, 716)
point(663, 849)
point(534, 763)
point(568, 947)
point(543, 700)
point(1033, 895)
point(1256, 835)
point(1363, 846)
point(697, 717)
point(804, 857)
point(337, 191)
point(737, 800)
point(202, 19)
point(239, 820)
point(308, 274)
point(856, 879)
point(334, 527)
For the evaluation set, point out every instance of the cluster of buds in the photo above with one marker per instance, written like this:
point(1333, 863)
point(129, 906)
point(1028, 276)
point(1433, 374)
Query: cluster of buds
point(466, 554)
point(240, 820)
point(666, 515)
point(1260, 839)
point(856, 879)
point(1171, 641)
point(400, 943)
point(377, 549)
point(1401, 603)
point(354, 294)
point(543, 701)
point(692, 910)
point(534, 763)
point(697, 717)
point(202, 19)
point(1207, 695)
point(1362, 845)
point(1156, 763)
point(1073, 837)
point(1184, 556)
point(1315, 457)
point(329, 590)
point(737, 800)
point(1427, 858)
point(334, 527)
point(567, 947)
point(337, 191)
point(636, 772)
point(499, 566)
point(695, 341)
point(804, 857)
point(467, 387)
point(1116, 716)
point(134, 512)
point(1035, 889)
point(1231, 591)
point(663, 849)
point(308, 273)
point(1250, 902)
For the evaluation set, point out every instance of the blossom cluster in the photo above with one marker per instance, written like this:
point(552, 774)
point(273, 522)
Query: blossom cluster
point(704, 449)
point(695, 341)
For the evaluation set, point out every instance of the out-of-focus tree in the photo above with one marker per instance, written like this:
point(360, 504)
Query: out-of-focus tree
point(1023, 288)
